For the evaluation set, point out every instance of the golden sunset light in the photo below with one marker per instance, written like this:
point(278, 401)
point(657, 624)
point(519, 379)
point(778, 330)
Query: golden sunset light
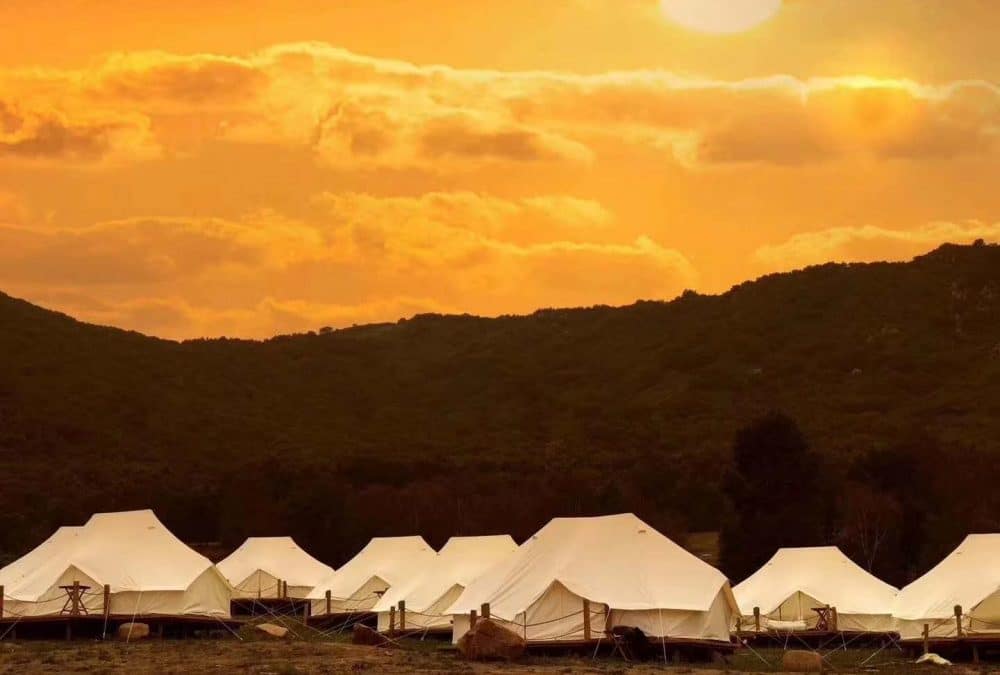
point(521, 336)
point(290, 165)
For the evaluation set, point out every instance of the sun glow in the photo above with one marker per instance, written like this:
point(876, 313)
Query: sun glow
point(720, 16)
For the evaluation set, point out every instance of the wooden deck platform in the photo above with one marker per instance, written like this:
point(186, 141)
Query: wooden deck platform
point(436, 634)
point(95, 625)
point(677, 650)
point(341, 619)
point(250, 607)
point(815, 638)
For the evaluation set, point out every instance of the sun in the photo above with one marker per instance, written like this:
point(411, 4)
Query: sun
point(720, 16)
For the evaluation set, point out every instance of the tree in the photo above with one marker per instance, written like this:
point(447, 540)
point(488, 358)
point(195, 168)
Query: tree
point(779, 493)
point(870, 523)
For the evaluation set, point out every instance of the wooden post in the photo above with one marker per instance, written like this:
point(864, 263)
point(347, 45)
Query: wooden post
point(1, 601)
point(958, 620)
point(284, 589)
point(402, 615)
point(107, 603)
point(927, 638)
point(472, 619)
point(756, 619)
point(306, 610)
point(76, 599)
point(328, 599)
point(392, 621)
point(484, 610)
point(586, 619)
point(835, 619)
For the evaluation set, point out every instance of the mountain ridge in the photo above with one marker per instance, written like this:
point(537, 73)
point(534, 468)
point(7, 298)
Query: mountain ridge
point(367, 430)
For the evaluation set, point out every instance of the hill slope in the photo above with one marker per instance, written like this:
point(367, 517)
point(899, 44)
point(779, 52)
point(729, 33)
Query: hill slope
point(449, 424)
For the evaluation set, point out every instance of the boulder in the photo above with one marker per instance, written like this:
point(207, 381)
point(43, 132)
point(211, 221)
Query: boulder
point(133, 631)
point(363, 635)
point(491, 641)
point(271, 631)
point(800, 661)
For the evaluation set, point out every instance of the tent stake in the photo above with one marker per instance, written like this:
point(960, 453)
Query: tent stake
point(958, 620)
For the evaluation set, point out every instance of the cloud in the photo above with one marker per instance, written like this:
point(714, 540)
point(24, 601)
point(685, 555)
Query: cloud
point(169, 78)
point(42, 132)
point(175, 317)
point(357, 257)
point(149, 250)
point(456, 138)
point(356, 112)
point(868, 243)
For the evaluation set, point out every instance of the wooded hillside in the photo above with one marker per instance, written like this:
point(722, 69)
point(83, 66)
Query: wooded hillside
point(444, 425)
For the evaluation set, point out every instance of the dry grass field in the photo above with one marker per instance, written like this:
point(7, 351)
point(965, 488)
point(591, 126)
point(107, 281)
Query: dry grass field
point(303, 656)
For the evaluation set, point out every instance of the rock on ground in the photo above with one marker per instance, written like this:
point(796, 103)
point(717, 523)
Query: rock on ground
point(488, 640)
point(133, 631)
point(799, 661)
point(269, 630)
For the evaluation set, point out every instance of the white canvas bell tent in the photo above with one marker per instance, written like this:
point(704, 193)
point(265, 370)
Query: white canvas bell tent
point(20, 597)
point(256, 567)
point(970, 578)
point(383, 562)
point(149, 571)
point(629, 574)
point(795, 581)
point(429, 594)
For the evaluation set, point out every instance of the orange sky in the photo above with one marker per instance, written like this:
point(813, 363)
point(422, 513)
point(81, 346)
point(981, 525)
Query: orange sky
point(247, 168)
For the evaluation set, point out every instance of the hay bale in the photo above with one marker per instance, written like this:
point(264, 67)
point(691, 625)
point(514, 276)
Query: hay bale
point(271, 631)
point(133, 631)
point(363, 635)
point(489, 641)
point(800, 661)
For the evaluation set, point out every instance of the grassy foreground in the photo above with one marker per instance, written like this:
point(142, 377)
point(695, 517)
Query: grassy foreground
point(314, 656)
